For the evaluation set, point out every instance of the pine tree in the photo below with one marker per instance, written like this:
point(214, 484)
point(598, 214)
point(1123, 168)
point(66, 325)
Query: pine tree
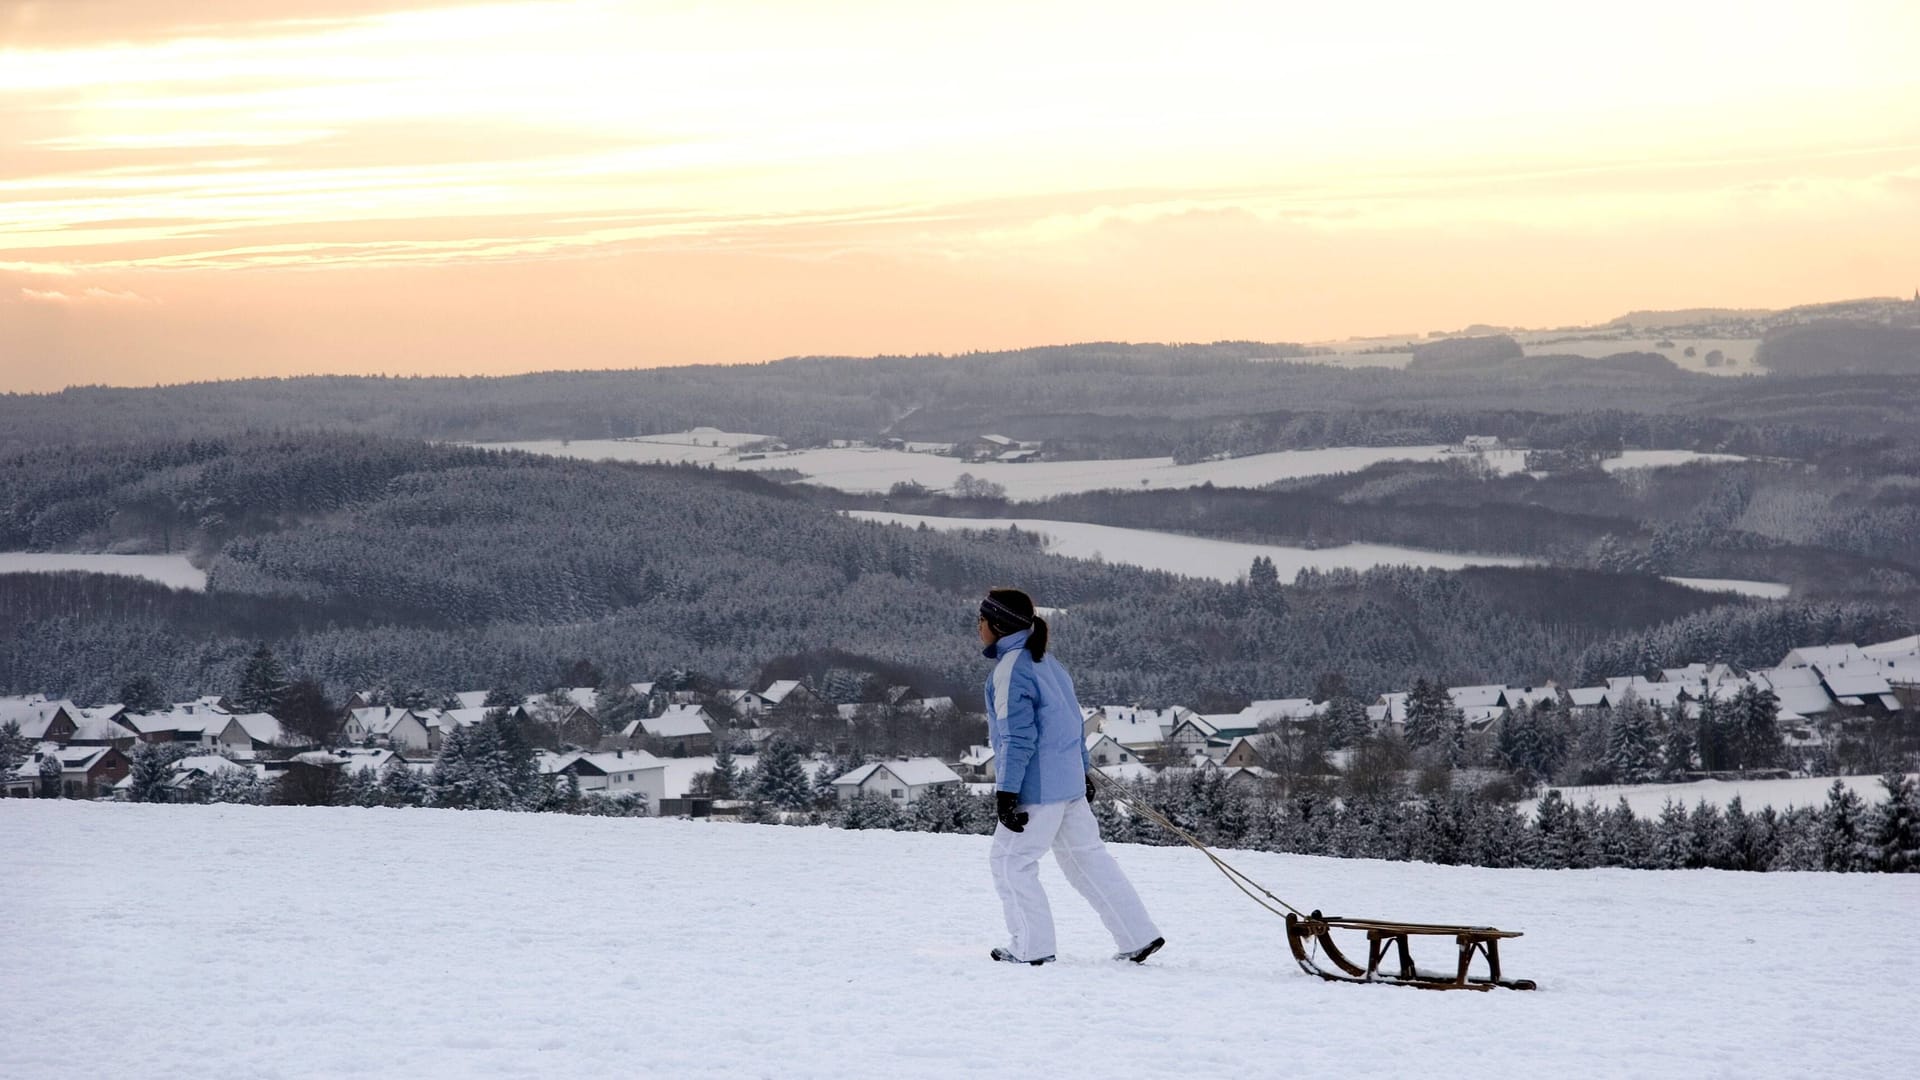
point(868, 811)
point(1757, 735)
point(236, 786)
point(1842, 840)
point(1620, 840)
point(50, 771)
point(1552, 847)
point(1896, 833)
point(263, 682)
point(1427, 705)
point(1677, 745)
point(510, 764)
point(14, 748)
point(1712, 740)
point(1346, 721)
point(142, 694)
point(1632, 754)
point(725, 776)
point(357, 788)
point(780, 780)
point(148, 774)
point(1672, 838)
point(453, 771)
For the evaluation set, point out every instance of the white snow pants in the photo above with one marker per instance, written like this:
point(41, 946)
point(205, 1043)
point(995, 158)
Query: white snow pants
point(1070, 830)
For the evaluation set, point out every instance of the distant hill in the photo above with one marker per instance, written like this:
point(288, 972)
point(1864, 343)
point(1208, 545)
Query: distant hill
point(1465, 353)
point(1841, 347)
point(1661, 320)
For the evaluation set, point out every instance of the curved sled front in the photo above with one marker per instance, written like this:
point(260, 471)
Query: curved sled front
point(1383, 937)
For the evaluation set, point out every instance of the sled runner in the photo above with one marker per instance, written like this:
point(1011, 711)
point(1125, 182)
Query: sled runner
point(1304, 930)
point(1317, 929)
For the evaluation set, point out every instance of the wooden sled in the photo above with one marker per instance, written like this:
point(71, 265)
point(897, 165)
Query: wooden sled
point(1382, 936)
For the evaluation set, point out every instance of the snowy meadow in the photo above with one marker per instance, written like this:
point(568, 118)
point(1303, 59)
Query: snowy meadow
point(284, 942)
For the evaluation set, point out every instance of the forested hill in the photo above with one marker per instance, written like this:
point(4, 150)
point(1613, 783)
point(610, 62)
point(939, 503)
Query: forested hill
point(376, 561)
point(1046, 393)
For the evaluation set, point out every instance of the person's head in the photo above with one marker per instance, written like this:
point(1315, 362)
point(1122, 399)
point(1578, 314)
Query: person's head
point(1009, 611)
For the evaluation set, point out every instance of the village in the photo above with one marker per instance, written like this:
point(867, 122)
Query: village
point(666, 758)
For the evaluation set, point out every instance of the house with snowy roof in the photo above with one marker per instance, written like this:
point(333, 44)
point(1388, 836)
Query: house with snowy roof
point(976, 765)
point(391, 726)
point(788, 693)
point(1103, 750)
point(1798, 689)
point(86, 772)
point(42, 720)
point(1142, 737)
point(1197, 734)
point(901, 780)
point(616, 772)
point(687, 730)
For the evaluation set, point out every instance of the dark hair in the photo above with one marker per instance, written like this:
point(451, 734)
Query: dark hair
point(1021, 604)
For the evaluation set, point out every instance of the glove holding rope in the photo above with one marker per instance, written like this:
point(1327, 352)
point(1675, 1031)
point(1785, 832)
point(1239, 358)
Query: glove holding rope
point(1006, 807)
point(1089, 787)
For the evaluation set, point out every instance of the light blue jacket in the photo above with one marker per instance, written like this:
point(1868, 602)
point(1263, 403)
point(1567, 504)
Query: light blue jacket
point(1034, 723)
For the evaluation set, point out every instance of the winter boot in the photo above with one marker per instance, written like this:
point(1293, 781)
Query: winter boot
point(1006, 957)
point(1139, 956)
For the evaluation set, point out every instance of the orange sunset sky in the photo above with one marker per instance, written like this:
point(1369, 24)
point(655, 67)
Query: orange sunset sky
point(211, 189)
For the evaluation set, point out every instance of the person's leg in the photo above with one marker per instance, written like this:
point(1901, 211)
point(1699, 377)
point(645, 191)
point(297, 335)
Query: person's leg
point(1015, 859)
point(1090, 869)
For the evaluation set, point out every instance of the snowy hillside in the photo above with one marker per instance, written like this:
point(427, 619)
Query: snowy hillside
point(204, 941)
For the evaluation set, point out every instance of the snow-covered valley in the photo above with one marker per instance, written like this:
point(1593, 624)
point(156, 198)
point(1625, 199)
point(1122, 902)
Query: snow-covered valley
point(281, 942)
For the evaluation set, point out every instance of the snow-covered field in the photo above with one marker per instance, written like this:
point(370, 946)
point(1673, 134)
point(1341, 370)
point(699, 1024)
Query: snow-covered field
point(171, 570)
point(871, 471)
point(1647, 800)
point(863, 470)
point(1196, 556)
point(1766, 590)
point(281, 943)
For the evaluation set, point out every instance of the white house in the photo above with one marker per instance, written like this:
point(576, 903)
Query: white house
point(687, 726)
point(389, 725)
point(976, 765)
point(903, 781)
point(617, 772)
point(1104, 750)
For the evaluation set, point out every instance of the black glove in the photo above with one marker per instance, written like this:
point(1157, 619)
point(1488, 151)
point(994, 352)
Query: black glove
point(1006, 807)
point(1089, 787)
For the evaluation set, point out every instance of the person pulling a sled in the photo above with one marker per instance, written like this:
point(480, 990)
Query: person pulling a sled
point(1044, 787)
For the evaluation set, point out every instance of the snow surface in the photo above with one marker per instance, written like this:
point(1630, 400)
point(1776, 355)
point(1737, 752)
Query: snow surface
point(867, 470)
point(1647, 800)
point(170, 570)
point(1195, 556)
point(290, 942)
point(1766, 590)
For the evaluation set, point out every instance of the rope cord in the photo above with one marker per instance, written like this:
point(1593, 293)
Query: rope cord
point(1240, 881)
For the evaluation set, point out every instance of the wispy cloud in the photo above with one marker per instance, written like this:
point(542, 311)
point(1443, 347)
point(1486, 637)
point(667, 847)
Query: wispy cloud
point(84, 296)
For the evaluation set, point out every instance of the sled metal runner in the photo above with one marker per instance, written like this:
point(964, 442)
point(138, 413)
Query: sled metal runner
point(1308, 934)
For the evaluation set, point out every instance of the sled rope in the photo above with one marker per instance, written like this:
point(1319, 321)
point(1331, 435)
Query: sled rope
point(1240, 881)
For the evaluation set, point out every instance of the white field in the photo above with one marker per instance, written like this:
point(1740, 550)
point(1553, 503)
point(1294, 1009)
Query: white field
point(875, 471)
point(1194, 556)
point(1647, 800)
point(171, 570)
point(293, 943)
point(1766, 590)
point(1545, 344)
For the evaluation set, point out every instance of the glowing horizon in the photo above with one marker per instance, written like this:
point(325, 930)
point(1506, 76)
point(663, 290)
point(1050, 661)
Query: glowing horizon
point(338, 186)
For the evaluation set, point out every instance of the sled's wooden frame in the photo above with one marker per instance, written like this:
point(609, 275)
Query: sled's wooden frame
point(1317, 929)
point(1302, 932)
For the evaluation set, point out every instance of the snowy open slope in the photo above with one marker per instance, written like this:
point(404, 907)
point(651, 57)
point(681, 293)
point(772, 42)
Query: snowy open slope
point(227, 941)
point(1647, 800)
point(170, 570)
point(1195, 556)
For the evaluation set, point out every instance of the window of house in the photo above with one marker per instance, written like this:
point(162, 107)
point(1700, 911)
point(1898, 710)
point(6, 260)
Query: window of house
point(898, 794)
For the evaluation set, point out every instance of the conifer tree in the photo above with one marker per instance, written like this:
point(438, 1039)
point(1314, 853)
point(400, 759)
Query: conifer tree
point(236, 786)
point(1677, 744)
point(14, 747)
point(1552, 832)
point(1632, 746)
point(142, 694)
point(1672, 838)
point(1427, 705)
point(1842, 837)
point(50, 771)
point(725, 776)
point(1896, 834)
point(1757, 735)
point(263, 682)
point(781, 780)
point(149, 772)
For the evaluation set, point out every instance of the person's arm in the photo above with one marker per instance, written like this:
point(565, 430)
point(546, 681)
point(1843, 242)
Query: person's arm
point(1020, 722)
